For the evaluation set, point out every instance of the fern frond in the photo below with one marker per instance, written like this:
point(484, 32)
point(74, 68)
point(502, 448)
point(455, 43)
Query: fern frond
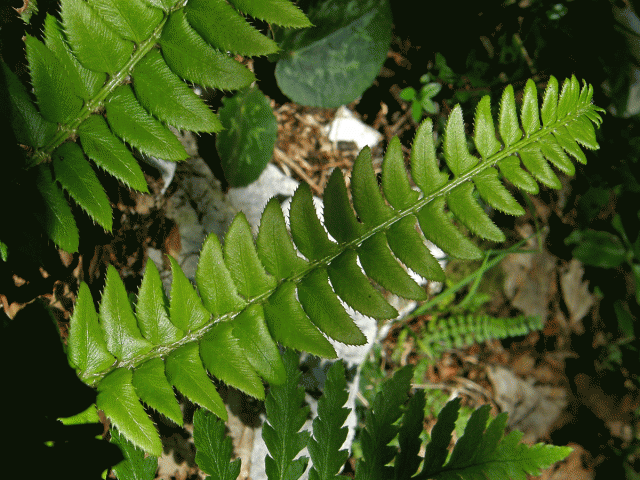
point(329, 432)
point(483, 452)
point(127, 61)
point(460, 331)
point(286, 414)
point(252, 296)
point(213, 448)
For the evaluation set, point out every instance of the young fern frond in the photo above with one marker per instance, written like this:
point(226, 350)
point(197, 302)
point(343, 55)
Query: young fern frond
point(109, 77)
point(255, 295)
point(460, 331)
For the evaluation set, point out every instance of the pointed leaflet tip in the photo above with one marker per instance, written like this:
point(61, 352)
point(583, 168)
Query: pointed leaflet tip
point(456, 152)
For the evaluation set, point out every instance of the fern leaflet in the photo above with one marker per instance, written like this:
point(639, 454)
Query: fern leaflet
point(286, 416)
point(328, 431)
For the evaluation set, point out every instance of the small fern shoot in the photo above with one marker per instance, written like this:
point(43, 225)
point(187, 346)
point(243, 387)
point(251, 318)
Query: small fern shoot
point(459, 331)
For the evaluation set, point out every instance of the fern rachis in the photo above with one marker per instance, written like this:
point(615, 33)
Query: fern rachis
point(252, 298)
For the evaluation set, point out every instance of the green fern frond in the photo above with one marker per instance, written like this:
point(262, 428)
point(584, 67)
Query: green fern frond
point(286, 414)
point(111, 74)
point(460, 331)
point(255, 295)
point(483, 451)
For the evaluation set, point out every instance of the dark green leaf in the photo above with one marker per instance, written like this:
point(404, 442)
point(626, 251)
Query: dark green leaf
point(438, 229)
point(286, 414)
point(380, 265)
point(334, 62)
point(213, 447)
point(134, 466)
point(255, 341)
point(354, 288)
point(598, 248)
point(77, 177)
point(395, 183)
point(250, 130)
point(308, 233)
point(29, 127)
point(56, 218)
point(339, 217)
point(325, 311)
point(52, 83)
point(290, 326)
point(329, 432)
point(367, 198)
point(408, 459)
point(224, 357)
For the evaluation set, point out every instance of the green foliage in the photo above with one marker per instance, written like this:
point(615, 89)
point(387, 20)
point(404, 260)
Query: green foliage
point(135, 465)
point(246, 144)
point(286, 414)
point(459, 331)
point(482, 451)
point(380, 429)
point(253, 298)
point(109, 76)
point(422, 100)
point(214, 448)
point(335, 61)
point(328, 433)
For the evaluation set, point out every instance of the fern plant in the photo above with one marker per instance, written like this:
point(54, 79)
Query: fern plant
point(483, 451)
point(459, 331)
point(109, 78)
point(255, 295)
